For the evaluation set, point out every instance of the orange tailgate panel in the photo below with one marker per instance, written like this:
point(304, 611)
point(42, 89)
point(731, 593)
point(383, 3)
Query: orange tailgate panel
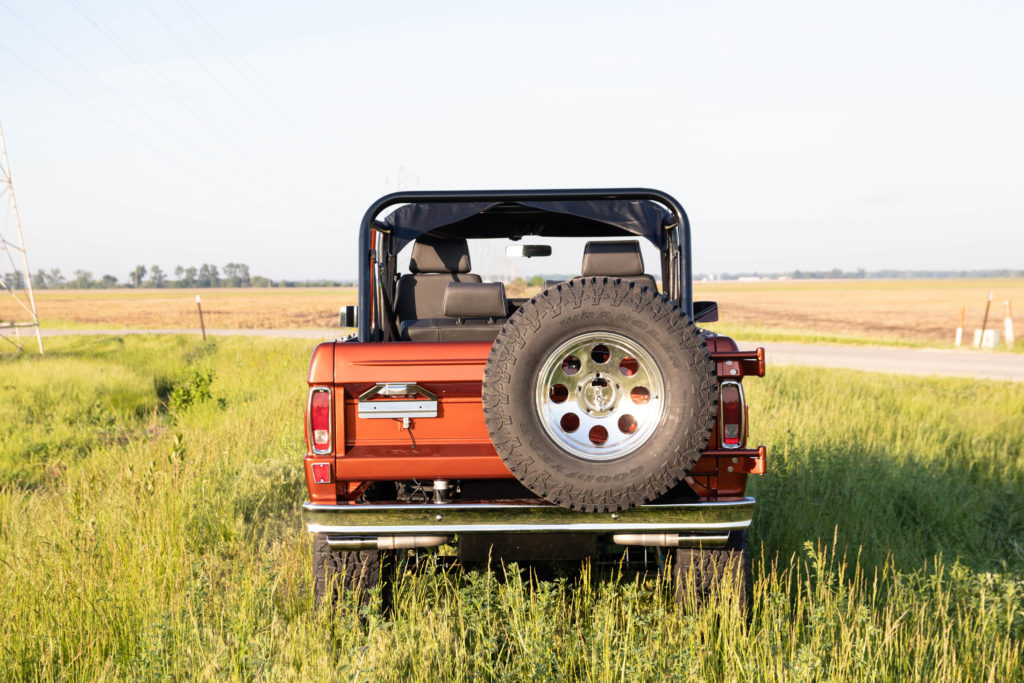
point(453, 445)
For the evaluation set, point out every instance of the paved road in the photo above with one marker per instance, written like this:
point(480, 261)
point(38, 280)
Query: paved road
point(962, 363)
point(956, 363)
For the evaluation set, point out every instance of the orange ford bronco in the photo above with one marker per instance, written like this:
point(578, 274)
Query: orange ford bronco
point(594, 418)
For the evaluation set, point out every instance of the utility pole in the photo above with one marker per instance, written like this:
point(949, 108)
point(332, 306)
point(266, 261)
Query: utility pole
point(22, 294)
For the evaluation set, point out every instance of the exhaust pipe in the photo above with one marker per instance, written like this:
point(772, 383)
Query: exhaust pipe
point(671, 540)
point(386, 542)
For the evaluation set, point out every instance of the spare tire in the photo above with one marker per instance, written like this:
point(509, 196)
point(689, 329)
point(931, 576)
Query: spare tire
point(599, 394)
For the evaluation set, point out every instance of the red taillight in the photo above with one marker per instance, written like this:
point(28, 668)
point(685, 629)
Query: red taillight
point(320, 420)
point(731, 420)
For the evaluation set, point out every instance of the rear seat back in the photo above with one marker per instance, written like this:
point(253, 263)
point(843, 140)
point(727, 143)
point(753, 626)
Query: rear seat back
point(465, 300)
point(619, 258)
point(474, 311)
point(433, 265)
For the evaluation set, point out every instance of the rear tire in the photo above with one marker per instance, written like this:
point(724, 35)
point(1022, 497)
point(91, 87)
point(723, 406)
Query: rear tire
point(715, 572)
point(357, 572)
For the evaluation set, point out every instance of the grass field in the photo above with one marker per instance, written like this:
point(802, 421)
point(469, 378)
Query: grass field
point(176, 308)
point(150, 529)
point(909, 312)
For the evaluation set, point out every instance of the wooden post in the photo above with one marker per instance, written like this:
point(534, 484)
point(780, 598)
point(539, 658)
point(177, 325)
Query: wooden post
point(202, 325)
point(984, 321)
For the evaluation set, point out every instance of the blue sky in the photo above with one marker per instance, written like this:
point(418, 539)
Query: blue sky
point(798, 135)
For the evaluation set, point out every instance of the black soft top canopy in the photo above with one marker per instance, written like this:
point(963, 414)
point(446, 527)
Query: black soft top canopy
point(644, 212)
point(572, 218)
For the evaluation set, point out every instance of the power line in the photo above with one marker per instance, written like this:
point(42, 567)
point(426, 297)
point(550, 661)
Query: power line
point(230, 92)
point(173, 133)
point(196, 57)
point(154, 72)
point(155, 150)
point(161, 79)
point(230, 54)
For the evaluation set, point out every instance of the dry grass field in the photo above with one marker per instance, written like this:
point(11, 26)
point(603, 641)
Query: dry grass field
point(922, 312)
point(176, 308)
point(884, 310)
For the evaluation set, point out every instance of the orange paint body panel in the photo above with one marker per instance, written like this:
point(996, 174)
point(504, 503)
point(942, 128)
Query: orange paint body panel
point(455, 444)
point(321, 365)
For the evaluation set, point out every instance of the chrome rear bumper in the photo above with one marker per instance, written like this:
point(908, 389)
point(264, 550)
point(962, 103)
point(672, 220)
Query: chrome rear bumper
point(696, 523)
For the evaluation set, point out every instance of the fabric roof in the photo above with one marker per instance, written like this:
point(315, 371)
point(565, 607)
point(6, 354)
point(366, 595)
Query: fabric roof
point(576, 218)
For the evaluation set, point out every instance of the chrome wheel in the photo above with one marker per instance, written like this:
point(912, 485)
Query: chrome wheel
point(599, 396)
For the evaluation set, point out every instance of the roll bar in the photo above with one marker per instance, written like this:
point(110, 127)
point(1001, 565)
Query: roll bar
point(682, 238)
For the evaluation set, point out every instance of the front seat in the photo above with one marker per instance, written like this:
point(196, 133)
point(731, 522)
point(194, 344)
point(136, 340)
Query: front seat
point(433, 265)
point(619, 258)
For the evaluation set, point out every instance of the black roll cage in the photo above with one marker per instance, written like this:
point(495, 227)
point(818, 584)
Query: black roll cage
point(678, 285)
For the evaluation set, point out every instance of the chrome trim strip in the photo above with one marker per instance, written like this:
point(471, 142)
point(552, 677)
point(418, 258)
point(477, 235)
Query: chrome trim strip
point(370, 409)
point(396, 409)
point(526, 516)
point(592, 527)
point(525, 505)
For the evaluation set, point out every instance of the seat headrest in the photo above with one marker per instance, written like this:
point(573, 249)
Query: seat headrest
point(447, 256)
point(474, 300)
point(620, 258)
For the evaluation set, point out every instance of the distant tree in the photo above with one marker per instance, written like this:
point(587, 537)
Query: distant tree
point(135, 277)
point(108, 282)
point(179, 273)
point(83, 279)
point(39, 280)
point(55, 278)
point(14, 280)
point(536, 281)
point(231, 277)
point(208, 276)
point(157, 277)
point(243, 274)
point(260, 281)
point(212, 274)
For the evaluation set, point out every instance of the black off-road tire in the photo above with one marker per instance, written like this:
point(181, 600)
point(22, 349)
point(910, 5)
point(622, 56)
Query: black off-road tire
point(356, 571)
point(581, 309)
point(706, 571)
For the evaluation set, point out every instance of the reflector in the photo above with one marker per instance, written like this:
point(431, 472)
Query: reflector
point(321, 472)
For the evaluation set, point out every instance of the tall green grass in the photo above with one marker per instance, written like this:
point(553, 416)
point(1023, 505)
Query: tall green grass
point(150, 529)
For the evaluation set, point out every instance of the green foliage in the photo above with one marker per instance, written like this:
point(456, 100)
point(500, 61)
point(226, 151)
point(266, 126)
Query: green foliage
point(193, 387)
point(138, 542)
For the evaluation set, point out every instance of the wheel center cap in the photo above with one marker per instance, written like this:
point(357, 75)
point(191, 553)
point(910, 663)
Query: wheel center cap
point(597, 394)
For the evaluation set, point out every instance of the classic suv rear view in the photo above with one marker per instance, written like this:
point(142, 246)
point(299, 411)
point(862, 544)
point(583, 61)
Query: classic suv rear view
point(592, 417)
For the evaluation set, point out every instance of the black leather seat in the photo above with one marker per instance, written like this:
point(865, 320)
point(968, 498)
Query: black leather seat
point(474, 311)
point(433, 265)
point(619, 258)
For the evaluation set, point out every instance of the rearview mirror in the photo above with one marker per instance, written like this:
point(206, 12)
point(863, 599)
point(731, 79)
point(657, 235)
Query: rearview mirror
point(527, 250)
